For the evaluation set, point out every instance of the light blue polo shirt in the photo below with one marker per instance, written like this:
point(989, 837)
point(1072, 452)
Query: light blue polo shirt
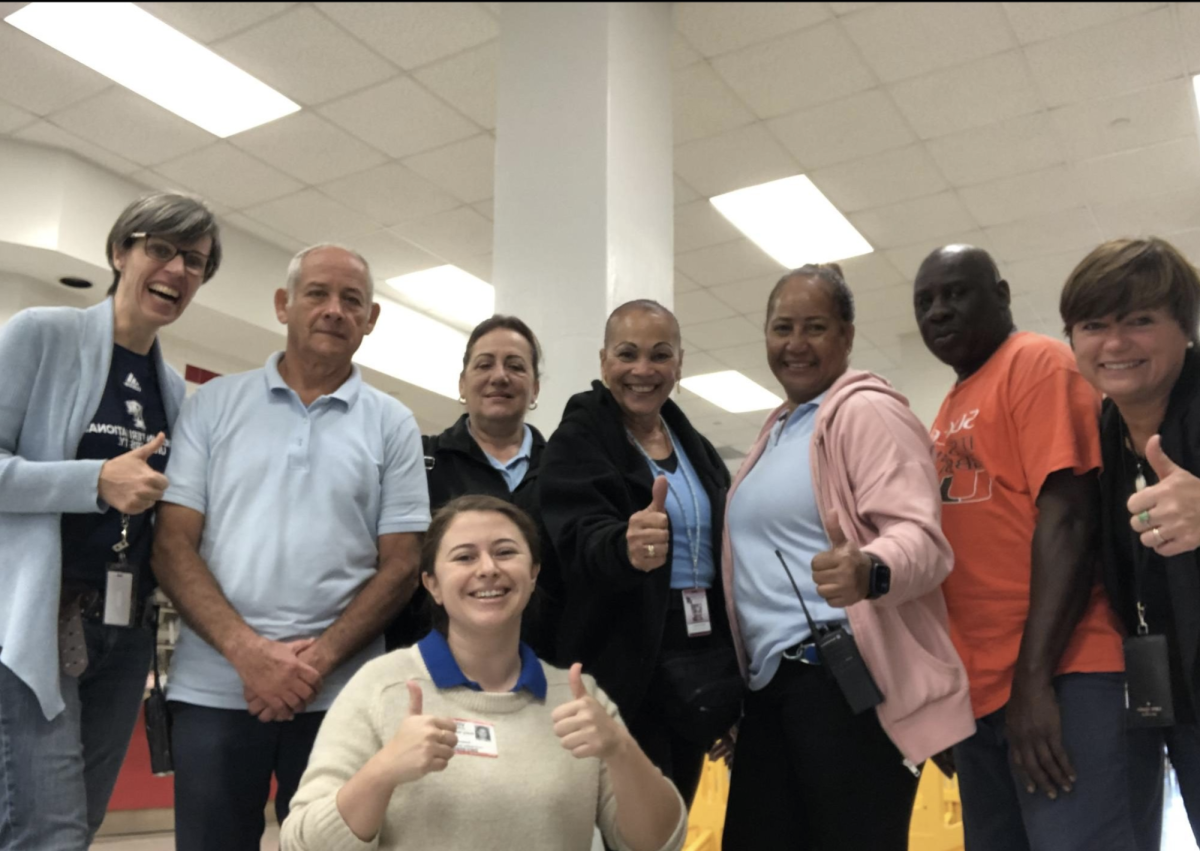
point(773, 508)
point(294, 501)
point(688, 519)
point(515, 468)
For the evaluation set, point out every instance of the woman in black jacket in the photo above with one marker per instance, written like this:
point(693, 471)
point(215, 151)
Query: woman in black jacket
point(632, 499)
point(491, 450)
point(1131, 309)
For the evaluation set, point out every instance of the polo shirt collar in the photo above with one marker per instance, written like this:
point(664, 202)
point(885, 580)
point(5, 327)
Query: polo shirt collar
point(523, 454)
point(347, 393)
point(787, 418)
point(446, 673)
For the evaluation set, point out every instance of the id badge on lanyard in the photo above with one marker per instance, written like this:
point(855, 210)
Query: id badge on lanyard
point(695, 612)
point(120, 583)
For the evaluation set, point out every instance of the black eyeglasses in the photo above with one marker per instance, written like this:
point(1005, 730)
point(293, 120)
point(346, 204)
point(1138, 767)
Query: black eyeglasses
point(164, 251)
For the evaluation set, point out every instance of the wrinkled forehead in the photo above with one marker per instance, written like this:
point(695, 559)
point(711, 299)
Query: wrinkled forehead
point(643, 326)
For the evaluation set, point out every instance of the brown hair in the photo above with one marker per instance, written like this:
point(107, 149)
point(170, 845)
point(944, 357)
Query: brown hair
point(1124, 275)
point(829, 274)
point(445, 515)
point(510, 323)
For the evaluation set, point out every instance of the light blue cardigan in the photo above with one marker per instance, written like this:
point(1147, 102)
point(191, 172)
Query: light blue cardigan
point(54, 363)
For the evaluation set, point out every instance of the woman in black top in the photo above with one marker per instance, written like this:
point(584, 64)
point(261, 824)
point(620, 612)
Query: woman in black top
point(632, 498)
point(491, 450)
point(1131, 309)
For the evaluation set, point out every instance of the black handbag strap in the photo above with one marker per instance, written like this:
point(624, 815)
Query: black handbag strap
point(1138, 555)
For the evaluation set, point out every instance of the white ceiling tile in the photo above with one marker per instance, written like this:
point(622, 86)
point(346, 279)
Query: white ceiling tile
point(1035, 22)
point(466, 169)
point(14, 118)
point(454, 234)
point(722, 333)
point(415, 34)
point(847, 129)
point(880, 179)
point(716, 28)
point(684, 194)
point(390, 194)
point(480, 266)
point(1011, 198)
point(698, 225)
point(207, 22)
point(142, 131)
point(305, 56)
point(749, 297)
point(390, 256)
point(871, 359)
point(1155, 170)
point(886, 333)
point(399, 117)
point(982, 92)
point(1154, 216)
point(1045, 274)
point(900, 40)
point(909, 258)
point(1120, 57)
point(308, 148)
point(38, 78)
point(911, 221)
point(1124, 122)
point(263, 232)
point(312, 217)
point(487, 209)
point(700, 363)
point(891, 303)
point(743, 357)
point(682, 53)
point(848, 8)
point(1024, 313)
point(1010, 147)
point(795, 72)
point(44, 133)
point(744, 157)
point(721, 264)
point(869, 272)
point(228, 175)
point(1189, 243)
point(703, 105)
point(684, 284)
point(1044, 234)
point(699, 306)
point(467, 82)
point(1189, 26)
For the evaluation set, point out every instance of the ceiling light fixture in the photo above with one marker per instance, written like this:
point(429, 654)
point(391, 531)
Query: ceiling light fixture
point(132, 47)
point(447, 293)
point(792, 221)
point(413, 347)
point(732, 391)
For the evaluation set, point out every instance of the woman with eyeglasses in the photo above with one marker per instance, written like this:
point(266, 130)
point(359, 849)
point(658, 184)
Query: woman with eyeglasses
point(86, 409)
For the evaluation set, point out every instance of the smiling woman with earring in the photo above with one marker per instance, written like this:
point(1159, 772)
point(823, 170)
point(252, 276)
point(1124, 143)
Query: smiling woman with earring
point(491, 450)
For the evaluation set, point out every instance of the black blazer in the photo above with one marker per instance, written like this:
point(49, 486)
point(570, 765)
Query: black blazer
point(456, 466)
point(1180, 433)
point(593, 479)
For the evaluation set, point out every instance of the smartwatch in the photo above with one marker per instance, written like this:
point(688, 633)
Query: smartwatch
point(881, 579)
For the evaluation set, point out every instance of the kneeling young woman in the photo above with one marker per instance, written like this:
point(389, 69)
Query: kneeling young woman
point(467, 740)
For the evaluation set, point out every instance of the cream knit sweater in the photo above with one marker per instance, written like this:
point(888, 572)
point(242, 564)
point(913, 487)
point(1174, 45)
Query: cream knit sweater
point(534, 797)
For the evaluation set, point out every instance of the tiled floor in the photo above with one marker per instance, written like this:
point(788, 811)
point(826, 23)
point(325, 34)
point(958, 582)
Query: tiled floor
point(166, 842)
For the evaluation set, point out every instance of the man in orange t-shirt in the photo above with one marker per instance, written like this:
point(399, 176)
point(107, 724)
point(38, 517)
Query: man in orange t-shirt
point(1018, 453)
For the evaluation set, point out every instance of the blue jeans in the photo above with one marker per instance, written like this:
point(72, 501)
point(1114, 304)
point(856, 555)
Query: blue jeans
point(1096, 815)
point(56, 776)
point(1182, 744)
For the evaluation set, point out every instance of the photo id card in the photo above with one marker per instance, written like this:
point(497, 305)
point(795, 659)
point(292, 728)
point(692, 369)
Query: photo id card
point(476, 738)
point(695, 612)
point(118, 596)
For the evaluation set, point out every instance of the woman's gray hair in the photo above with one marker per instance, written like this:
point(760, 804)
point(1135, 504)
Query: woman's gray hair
point(178, 218)
point(830, 275)
point(293, 271)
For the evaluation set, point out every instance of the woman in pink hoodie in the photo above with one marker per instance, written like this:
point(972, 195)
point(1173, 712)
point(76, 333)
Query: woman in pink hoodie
point(841, 486)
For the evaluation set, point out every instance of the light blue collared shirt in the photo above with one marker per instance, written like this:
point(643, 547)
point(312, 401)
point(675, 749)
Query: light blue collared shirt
point(446, 673)
point(683, 485)
point(775, 507)
point(294, 501)
point(515, 468)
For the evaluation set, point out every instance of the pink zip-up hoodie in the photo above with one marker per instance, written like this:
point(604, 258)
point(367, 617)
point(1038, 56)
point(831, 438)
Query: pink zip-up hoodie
point(872, 469)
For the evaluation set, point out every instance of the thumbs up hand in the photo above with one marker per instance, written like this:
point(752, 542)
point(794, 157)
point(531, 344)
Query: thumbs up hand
point(1167, 514)
point(422, 743)
point(584, 727)
point(649, 533)
point(129, 484)
point(842, 573)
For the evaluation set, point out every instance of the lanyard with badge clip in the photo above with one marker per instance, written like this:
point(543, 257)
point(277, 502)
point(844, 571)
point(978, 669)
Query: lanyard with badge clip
point(120, 580)
point(695, 599)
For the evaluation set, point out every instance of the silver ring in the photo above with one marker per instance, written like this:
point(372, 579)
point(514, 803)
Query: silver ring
point(650, 550)
point(1158, 536)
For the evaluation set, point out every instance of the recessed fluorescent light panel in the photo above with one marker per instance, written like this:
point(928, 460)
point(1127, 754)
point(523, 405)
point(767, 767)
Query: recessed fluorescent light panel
point(732, 391)
point(415, 348)
point(792, 221)
point(448, 293)
point(129, 45)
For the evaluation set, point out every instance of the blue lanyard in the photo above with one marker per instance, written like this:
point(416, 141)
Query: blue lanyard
point(692, 532)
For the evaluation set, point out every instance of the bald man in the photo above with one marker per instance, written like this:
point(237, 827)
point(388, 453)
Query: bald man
point(1018, 454)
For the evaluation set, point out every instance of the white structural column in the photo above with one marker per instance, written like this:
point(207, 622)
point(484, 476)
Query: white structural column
point(583, 206)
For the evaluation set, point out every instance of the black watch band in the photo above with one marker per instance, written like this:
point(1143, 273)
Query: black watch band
point(881, 579)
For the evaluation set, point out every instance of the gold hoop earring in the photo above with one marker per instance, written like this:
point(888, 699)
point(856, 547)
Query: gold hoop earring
point(462, 400)
point(533, 405)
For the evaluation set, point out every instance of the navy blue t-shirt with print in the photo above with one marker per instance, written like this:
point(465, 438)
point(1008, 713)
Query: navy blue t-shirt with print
point(129, 415)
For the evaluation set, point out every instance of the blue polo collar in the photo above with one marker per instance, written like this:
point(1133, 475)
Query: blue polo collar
point(346, 394)
point(444, 670)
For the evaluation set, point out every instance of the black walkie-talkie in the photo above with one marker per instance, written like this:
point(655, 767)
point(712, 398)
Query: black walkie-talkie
point(839, 653)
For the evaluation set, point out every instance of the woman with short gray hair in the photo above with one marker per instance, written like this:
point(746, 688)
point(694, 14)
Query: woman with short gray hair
point(86, 408)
